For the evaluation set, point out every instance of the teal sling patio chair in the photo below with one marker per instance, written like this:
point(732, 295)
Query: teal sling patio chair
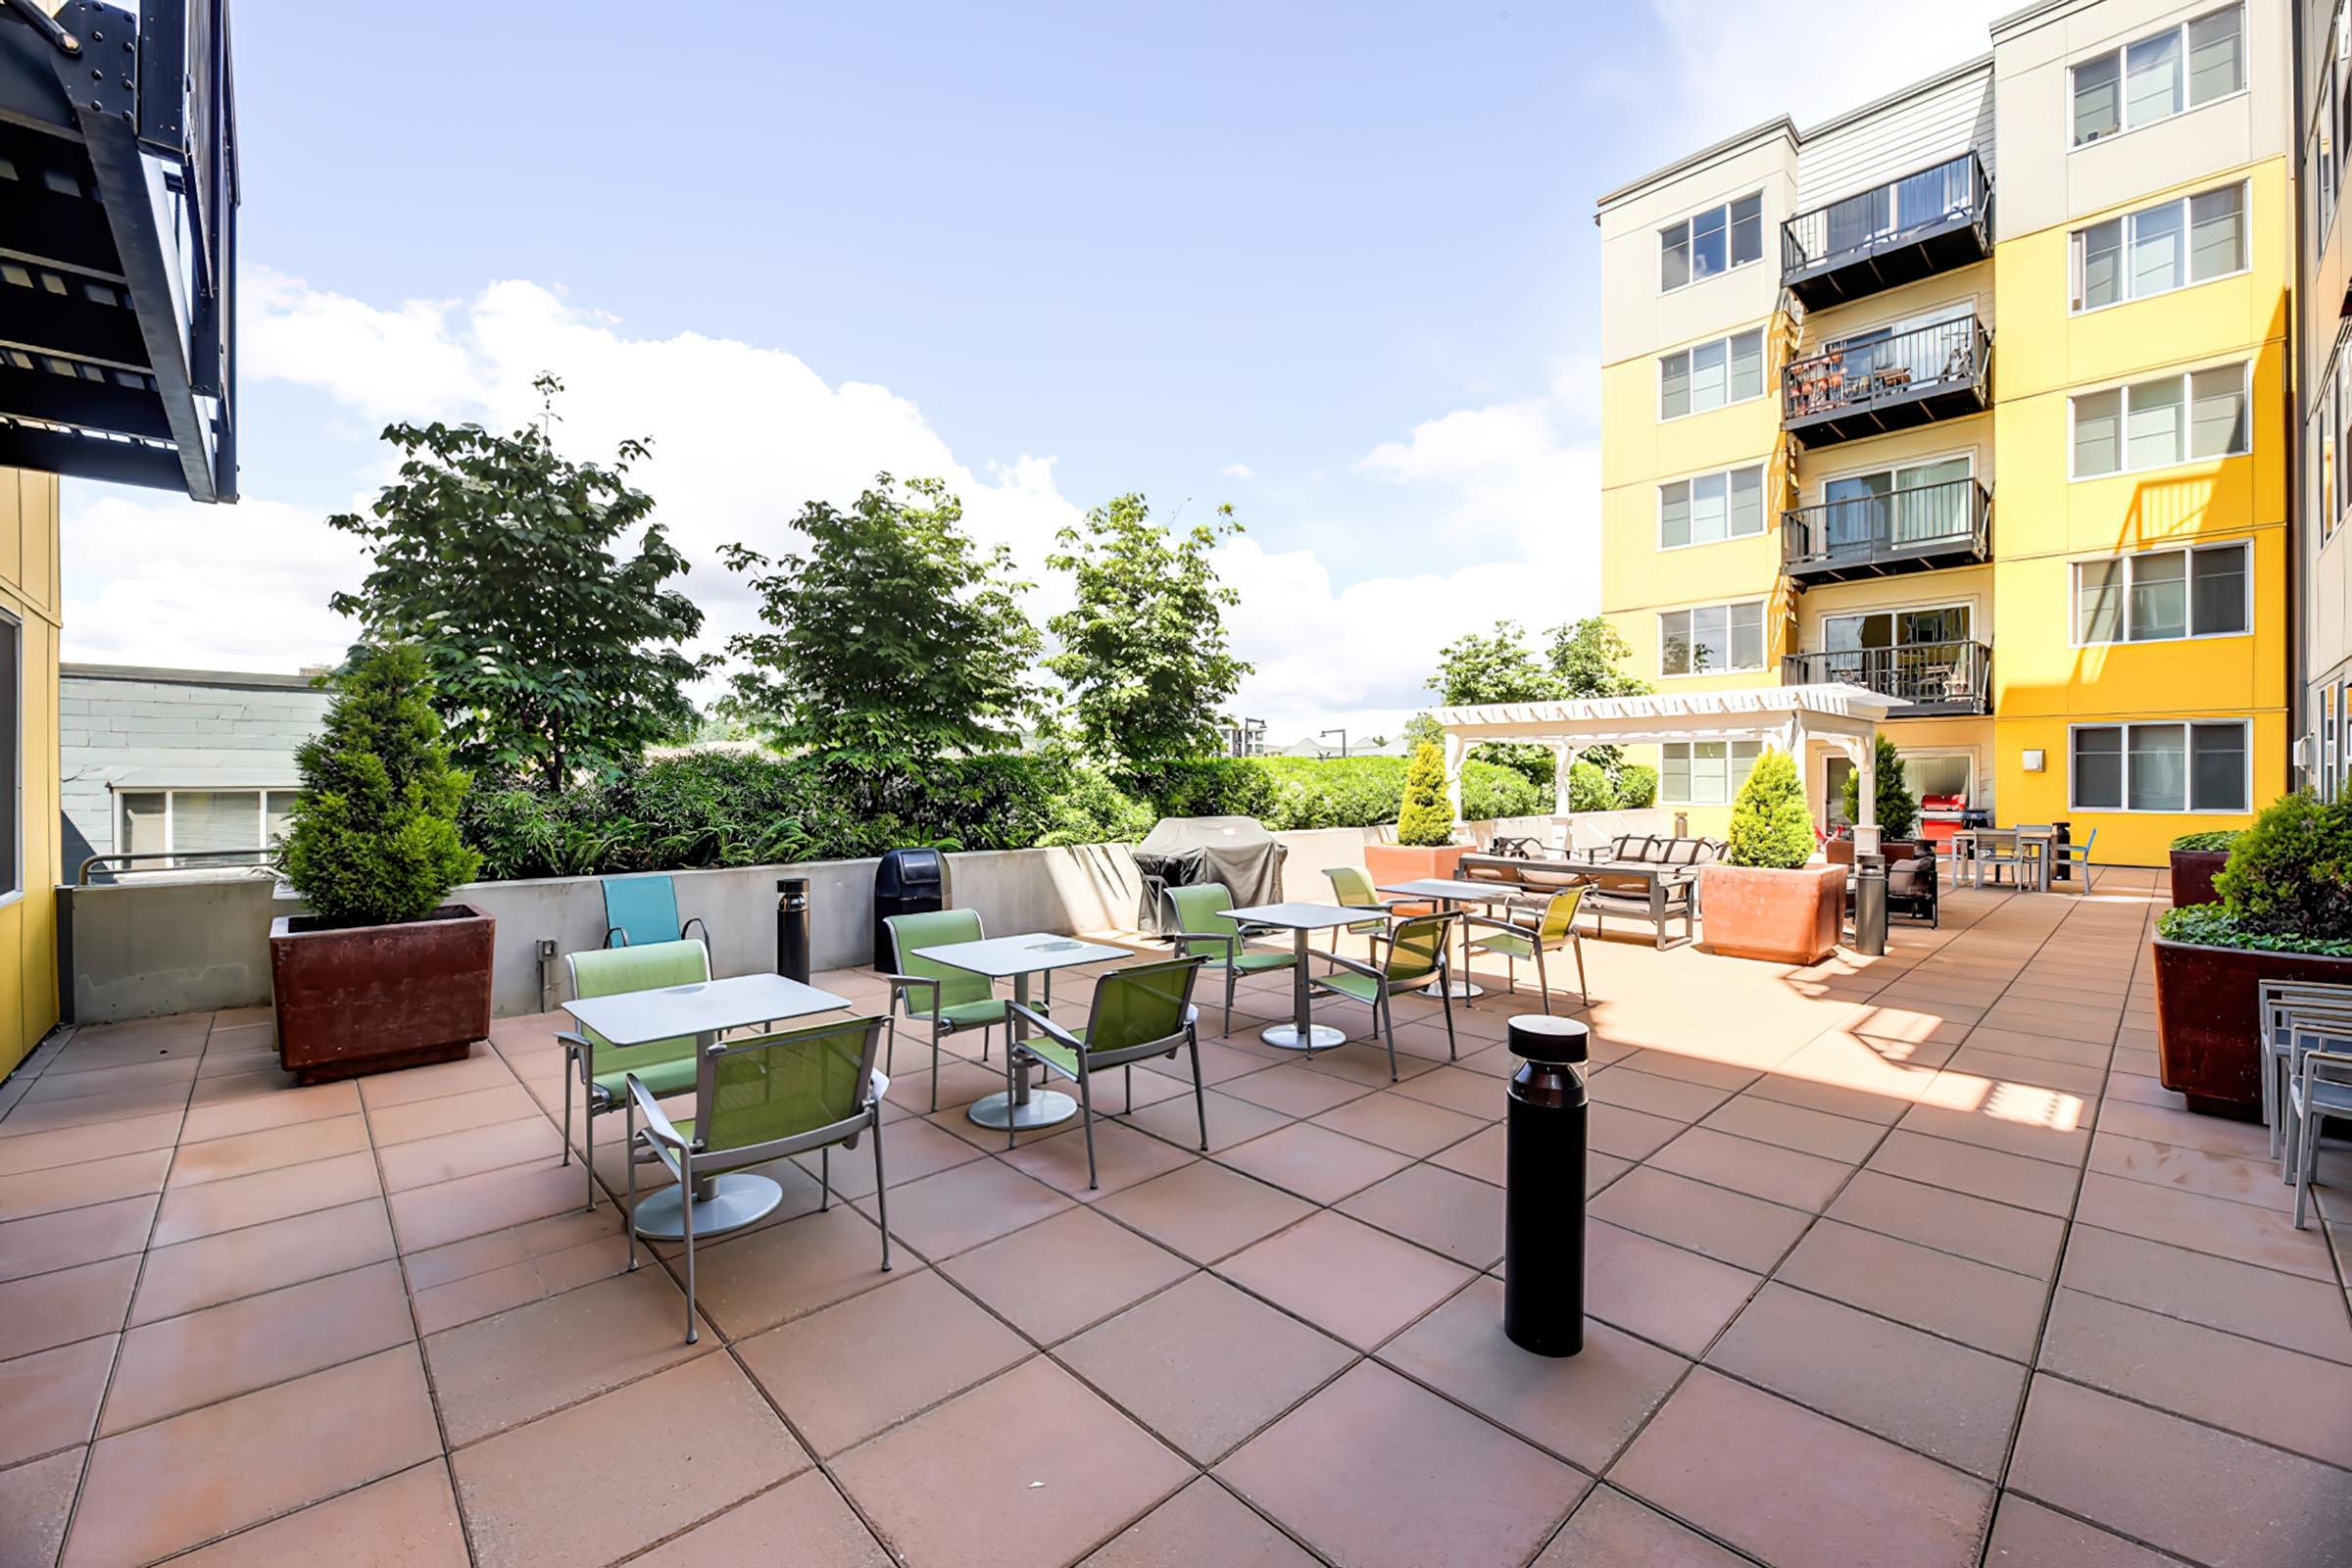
point(644, 909)
point(1141, 1011)
point(600, 1068)
point(1529, 937)
point(1202, 923)
point(760, 1099)
point(958, 998)
point(1407, 958)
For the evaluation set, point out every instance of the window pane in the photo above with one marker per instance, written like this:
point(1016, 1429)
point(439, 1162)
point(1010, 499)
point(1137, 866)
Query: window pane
point(2219, 416)
point(1707, 243)
point(2099, 769)
point(2159, 771)
point(1706, 376)
point(2152, 427)
point(1747, 366)
point(1707, 509)
point(1748, 230)
point(143, 824)
point(2098, 432)
point(1743, 762)
point(2156, 249)
point(2152, 79)
point(1747, 636)
point(1936, 775)
point(281, 815)
point(2218, 776)
point(1708, 777)
point(2158, 597)
point(1673, 256)
point(2216, 229)
point(2095, 98)
point(2099, 601)
point(1674, 513)
point(2218, 590)
point(2216, 60)
point(1674, 385)
point(2102, 264)
point(1710, 637)
point(1747, 502)
point(215, 819)
point(1674, 642)
point(1674, 771)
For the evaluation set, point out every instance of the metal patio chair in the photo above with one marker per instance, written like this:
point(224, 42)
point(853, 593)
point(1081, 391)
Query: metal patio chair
point(1139, 1012)
point(1406, 958)
point(1529, 937)
point(1199, 915)
point(643, 909)
point(601, 1068)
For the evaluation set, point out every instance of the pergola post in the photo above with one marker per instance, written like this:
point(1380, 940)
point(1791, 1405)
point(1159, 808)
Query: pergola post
point(1865, 772)
point(1456, 750)
point(1563, 757)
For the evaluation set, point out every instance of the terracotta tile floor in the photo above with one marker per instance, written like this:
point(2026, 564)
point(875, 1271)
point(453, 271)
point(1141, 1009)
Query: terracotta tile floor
point(1897, 1261)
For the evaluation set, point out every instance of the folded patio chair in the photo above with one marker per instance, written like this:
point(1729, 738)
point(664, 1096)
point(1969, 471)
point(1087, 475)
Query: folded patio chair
point(1410, 955)
point(2319, 1087)
point(1531, 938)
point(766, 1098)
point(1203, 929)
point(602, 1068)
point(2281, 1007)
point(959, 998)
point(1141, 1011)
point(643, 909)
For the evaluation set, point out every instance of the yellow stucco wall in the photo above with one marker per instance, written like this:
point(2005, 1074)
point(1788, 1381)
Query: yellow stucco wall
point(29, 592)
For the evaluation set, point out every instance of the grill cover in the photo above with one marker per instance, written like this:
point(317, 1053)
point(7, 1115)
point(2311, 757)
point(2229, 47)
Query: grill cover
point(1187, 851)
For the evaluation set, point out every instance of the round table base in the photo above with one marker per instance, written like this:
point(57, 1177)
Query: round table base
point(1463, 990)
point(1320, 1036)
point(1044, 1108)
point(736, 1200)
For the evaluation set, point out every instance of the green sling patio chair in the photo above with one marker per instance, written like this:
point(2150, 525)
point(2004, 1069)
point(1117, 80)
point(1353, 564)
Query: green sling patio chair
point(1201, 920)
point(1406, 958)
point(959, 1000)
point(1141, 1011)
point(1352, 889)
point(644, 909)
point(1532, 937)
point(764, 1099)
point(601, 1068)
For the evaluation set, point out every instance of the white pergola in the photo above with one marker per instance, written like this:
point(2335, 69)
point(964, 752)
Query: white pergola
point(1786, 717)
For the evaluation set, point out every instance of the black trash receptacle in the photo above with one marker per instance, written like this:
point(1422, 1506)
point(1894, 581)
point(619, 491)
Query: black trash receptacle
point(2061, 867)
point(907, 882)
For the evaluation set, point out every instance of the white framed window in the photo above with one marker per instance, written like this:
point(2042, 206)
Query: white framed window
point(1707, 244)
point(1711, 639)
point(2185, 416)
point(2320, 158)
point(2172, 245)
point(2164, 595)
point(176, 821)
point(1704, 772)
point(2199, 62)
point(2202, 765)
point(1711, 375)
point(1710, 507)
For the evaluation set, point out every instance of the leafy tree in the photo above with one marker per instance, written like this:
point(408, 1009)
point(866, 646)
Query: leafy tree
point(1426, 818)
point(1498, 666)
point(1896, 809)
point(1588, 788)
point(1636, 787)
point(1771, 824)
point(893, 638)
point(1143, 651)
point(495, 556)
point(2291, 874)
point(1584, 656)
point(374, 837)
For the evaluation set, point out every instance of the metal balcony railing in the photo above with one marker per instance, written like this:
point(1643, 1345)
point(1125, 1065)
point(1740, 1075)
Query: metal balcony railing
point(1925, 528)
point(1945, 677)
point(1868, 386)
point(1898, 232)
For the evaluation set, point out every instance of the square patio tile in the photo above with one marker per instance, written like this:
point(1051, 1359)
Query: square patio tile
point(1392, 1121)
point(68, 1304)
point(958, 1209)
point(2013, 1179)
point(2026, 1535)
point(222, 1108)
point(1203, 1365)
point(1610, 1530)
point(1745, 1231)
point(1670, 1097)
point(1485, 1156)
point(189, 1212)
point(63, 1186)
point(1231, 1120)
point(52, 1397)
point(470, 1153)
point(271, 1149)
point(391, 1125)
point(1805, 1182)
point(261, 1257)
point(1123, 1157)
point(1973, 1302)
point(1443, 1210)
point(1629, 1134)
point(72, 1237)
point(955, 1487)
point(2015, 1239)
point(1204, 1212)
point(804, 1522)
point(786, 1271)
point(1201, 1525)
point(1294, 1090)
point(1063, 1273)
point(2285, 1310)
point(1314, 1162)
point(408, 1520)
point(1346, 1278)
point(36, 1501)
point(2204, 1224)
point(1660, 1292)
point(1459, 1089)
point(1377, 1470)
point(72, 1146)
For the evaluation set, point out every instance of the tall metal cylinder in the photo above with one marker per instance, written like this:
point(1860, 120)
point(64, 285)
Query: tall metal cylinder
point(1870, 905)
point(1544, 1213)
point(792, 928)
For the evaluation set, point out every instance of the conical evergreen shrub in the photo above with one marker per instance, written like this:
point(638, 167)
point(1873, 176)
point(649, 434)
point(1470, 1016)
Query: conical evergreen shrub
point(1426, 819)
point(1771, 824)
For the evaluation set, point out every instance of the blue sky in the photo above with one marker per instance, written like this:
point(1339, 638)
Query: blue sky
point(1333, 264)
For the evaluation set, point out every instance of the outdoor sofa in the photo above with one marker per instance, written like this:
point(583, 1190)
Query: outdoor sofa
point(1665, 890)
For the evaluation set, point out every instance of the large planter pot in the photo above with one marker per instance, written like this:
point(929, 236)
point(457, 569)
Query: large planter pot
point(2208, 1032)
point(1749, 912)
point(1840, 852)
point(1412, 862)
point(2193, 871)
point(362, 999)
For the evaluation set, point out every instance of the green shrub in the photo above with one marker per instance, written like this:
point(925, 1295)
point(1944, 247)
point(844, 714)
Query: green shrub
point(374, 837)
point(2210, 839)
point(1771, 825)
point(1636, 787)
point(2291, 874)
point(2212, 925)
point(1490, 791)
point(1896, 810)
point(1426, 818)
point(1588, 788)
point(1089, 808)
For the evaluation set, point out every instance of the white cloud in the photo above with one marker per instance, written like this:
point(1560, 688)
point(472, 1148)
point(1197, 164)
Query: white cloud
point(1237, 470)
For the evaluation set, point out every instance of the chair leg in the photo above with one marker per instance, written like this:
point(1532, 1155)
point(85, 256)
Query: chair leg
point(2306, 1164)
point(630, 1111)
point(1192, 1038)
point(881, 1192)
point(890, 1048)
point(1085, 1110)
point(1012, 1132)
point(1542, 976)
point(1229, 998)
point(1583, 995)
point(824, 1178)
point(1385, 1016)
point(572, 1059)
point(1452, 1054)
point(934, 1066)
point(686, 1220)
point(1128, 1076)
point(588, 1149)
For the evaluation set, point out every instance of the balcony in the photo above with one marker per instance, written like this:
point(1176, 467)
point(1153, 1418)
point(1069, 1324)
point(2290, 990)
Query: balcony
point(1927, 678)
point(1929, 527)
point(1899, 232)
point(1871, 384)
point(117, 244)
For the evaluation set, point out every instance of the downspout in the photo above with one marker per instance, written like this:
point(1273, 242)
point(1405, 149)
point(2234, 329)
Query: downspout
point(2296, 522)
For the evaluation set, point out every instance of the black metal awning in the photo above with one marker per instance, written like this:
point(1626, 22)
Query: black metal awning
point(118, 243)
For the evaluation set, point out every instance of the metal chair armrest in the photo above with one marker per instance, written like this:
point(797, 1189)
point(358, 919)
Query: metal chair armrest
point(897, 991)
point(1353, 967)
point(691, 922)
point(613, 931)
point(2327, 1066)
point(1181, 942)
point(1512, 926)
point(658, 1125)
point(1015, 1009)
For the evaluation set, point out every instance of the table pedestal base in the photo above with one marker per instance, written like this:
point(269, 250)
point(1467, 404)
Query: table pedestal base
point(1463, 990)
point(1044, 1108)
point(735, 1200)
point(1321, 1037)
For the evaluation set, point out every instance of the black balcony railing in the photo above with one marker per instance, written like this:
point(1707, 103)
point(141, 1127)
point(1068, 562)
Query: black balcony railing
point(1868, 386)
point(1928, 527)
point(1907, 229)
point(1946, 677)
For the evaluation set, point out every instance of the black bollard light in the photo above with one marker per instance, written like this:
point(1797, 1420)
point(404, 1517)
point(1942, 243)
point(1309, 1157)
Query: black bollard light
point(1544, 1197)
point(792, 928)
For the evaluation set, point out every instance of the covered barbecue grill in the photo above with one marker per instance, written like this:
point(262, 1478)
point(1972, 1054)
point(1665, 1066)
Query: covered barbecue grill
point(1187, 851)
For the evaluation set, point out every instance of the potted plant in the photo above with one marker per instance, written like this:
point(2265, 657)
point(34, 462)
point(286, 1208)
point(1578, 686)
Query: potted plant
point(379, 973)
point(1898, 812)
point(1765, 902)
point(2197, 859)
point(2286, 913)
point(1424, 845)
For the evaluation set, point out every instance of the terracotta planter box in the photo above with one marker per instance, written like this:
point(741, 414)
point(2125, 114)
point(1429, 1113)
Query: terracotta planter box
point(1749, 912)
point(1412, 862)
point(1840, 852)
point(2208, 1043)
point(2193, 871)
point(362, 999)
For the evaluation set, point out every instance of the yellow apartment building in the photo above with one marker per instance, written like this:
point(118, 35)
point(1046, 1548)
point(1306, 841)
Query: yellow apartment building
point(1979, 396)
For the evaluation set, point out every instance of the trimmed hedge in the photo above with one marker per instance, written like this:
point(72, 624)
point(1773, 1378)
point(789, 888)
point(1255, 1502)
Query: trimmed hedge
point(2212, 925)
point(2220, 838)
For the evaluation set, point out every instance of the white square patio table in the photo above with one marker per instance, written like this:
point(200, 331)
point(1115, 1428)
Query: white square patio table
point(1301, 1033)
point(1016, 959)
point(705, 1009)
point(1451, 894)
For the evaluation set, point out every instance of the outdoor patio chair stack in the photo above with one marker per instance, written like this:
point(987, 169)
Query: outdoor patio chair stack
point(603, 1070)
point(1204, 931)
point(1406, 958)
point(1141, 1011)
point(2306, 1073)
